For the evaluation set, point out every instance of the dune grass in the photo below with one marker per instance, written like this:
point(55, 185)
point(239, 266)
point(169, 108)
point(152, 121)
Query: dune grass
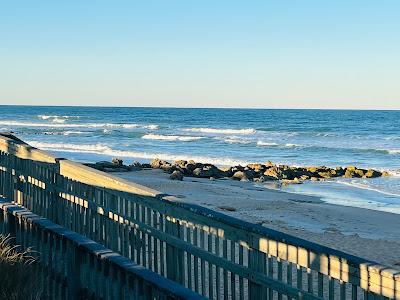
point(18, 272)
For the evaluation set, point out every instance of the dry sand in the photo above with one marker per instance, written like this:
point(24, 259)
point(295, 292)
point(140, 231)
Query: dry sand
point(373, 235)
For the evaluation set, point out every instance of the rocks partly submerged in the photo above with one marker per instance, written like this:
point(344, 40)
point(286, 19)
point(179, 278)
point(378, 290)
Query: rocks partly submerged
point(252, 172)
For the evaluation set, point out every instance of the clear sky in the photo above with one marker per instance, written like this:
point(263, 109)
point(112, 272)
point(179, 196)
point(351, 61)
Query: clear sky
point(268, 54)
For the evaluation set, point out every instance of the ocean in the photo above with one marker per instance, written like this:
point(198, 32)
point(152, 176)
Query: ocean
point(225, 137)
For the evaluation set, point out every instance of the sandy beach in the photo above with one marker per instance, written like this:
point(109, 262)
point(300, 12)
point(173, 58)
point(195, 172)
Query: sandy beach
point(373, 235)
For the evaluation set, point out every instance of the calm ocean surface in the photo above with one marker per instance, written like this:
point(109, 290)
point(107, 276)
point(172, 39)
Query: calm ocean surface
point(367, 139)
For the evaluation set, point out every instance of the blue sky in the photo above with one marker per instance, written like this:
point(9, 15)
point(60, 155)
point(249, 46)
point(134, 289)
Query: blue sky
point(267, 54)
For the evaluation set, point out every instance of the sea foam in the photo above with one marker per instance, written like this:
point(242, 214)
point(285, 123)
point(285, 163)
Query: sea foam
point(80, 125)
point(221, 131)
point(267, 144)
point(171, 137)
point(103, 149)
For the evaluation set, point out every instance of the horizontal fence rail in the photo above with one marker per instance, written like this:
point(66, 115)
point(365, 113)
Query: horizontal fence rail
point(75, 267)
point(216, 256)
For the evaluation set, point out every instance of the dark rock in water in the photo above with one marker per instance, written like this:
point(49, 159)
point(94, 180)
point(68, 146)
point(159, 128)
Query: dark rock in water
point(353, 172)
point(250, 173)
point(360, 172)
point(372, 174)
point(136, 164)
point(176, 175)
point(233, 170)
point(339, 171)
point(256, 172)
point(218, 173)
point(180, 163)
point(168, 168)
point(117, 161)
point(190, 167)
point(105, 164)
point(202, 173)
point(325, 174)
point(288, 173)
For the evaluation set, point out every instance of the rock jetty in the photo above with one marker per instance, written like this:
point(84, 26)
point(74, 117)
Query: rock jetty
point(252, 172)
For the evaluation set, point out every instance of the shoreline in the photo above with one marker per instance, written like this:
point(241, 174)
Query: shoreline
point(367, 233)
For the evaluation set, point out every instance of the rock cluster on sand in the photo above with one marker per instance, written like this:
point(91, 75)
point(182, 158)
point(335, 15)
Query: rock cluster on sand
point(252, 172)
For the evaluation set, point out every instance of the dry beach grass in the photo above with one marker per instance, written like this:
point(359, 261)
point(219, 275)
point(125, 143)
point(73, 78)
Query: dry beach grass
point(18, 272)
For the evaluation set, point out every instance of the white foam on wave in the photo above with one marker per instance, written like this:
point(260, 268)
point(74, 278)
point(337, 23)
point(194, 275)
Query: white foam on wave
point(70, 132)
point(244, 131)
point(267, 144)
point(236, 140)
point(108, 151)
point(57, 117)
point(290, 145)
point(171, 137)
point(75, 125)
point(391, 151)
point(66, 133)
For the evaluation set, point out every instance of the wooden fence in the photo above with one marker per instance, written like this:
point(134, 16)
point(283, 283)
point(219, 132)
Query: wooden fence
point(214, 255)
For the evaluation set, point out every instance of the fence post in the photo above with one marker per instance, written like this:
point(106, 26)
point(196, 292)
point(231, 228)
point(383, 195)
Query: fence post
point(170, 252)
point(73, 271)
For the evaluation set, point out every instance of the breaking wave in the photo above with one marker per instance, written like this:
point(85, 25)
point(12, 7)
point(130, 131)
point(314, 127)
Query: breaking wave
point(80, 125)
point(221, 131)
point(171, 137)
point(267, 144)
point(108, 151)
point(236, 140)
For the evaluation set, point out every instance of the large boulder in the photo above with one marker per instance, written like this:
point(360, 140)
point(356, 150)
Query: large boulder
point(269, 164)
point(339, 171)
point(272, 173)
point(256, 167)
point(105, 164)
point(372, 174)
point(157, 163)
point(181, 163)
point(325, 174)
point(168, 168)
point(176, 175)
point(117, 161)
point(190, 167)
point(241, 175)
point(348, 173)
point(202, 172)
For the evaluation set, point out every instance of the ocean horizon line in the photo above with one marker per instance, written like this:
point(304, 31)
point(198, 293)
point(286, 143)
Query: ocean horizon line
point(207, 108)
